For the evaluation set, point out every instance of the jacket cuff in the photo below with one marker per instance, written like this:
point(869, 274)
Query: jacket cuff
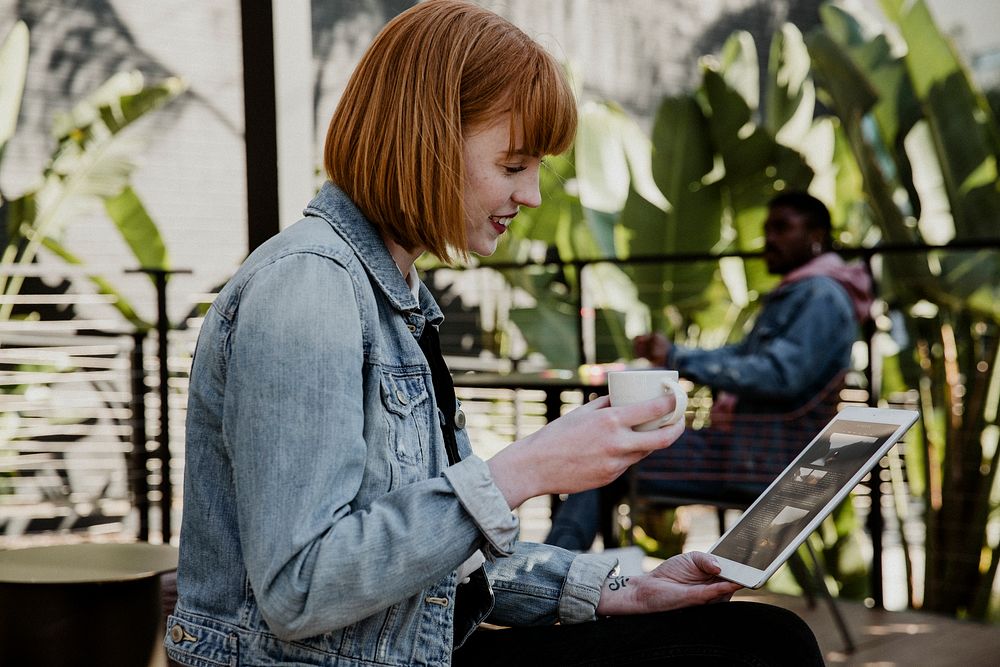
point(582, 590)
point(473, 484)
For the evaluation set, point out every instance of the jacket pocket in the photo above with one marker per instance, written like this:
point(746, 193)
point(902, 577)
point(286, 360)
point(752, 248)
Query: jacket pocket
point(407, 404)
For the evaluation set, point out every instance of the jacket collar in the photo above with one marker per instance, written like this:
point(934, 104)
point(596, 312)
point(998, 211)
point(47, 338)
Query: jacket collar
point(343, 215)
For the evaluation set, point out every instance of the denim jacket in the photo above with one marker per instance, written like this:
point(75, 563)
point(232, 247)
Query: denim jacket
point(801, 339)
point(322, 522)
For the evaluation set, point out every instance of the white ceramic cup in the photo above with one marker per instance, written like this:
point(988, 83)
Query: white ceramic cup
point(628, 387)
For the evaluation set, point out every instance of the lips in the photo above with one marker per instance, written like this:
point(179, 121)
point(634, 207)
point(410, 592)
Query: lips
point(502, 222)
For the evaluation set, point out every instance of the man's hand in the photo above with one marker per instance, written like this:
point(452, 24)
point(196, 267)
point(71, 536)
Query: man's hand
point(682, 581)
point(655, 347)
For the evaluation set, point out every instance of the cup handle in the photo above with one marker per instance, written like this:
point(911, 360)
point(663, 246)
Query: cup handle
point(680, 399)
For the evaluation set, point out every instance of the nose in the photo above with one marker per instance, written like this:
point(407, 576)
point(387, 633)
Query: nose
point(528, 193)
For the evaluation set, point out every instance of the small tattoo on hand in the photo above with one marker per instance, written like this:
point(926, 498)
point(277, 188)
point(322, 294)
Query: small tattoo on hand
point(618, 582)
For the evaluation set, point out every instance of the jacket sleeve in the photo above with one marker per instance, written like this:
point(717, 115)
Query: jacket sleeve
point(294, 427)
point(540, 584)
point(796, 340)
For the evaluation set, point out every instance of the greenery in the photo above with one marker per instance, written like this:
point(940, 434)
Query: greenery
point(904, 149)
point(90, 166)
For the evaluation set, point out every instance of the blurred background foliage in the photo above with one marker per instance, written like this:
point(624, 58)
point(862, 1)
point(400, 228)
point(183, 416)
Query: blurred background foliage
point(885, 125)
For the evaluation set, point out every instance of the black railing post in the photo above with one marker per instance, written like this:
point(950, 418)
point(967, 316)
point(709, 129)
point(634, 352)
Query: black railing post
point(159, 277)
point(260, 121)
point(138, 482)
point(163, 448)
point(875, 522)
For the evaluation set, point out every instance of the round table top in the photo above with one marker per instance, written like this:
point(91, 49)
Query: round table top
point(86, 563)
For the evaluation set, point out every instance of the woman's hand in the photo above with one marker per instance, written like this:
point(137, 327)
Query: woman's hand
point(584, 449)
point(681, 581)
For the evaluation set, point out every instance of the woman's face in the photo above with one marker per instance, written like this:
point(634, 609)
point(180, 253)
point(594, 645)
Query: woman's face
point(496, 184)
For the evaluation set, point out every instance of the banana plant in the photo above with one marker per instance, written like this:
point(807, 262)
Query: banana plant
point(584, 192)
point(90, 167)
point(717, 159)
point(926, 143)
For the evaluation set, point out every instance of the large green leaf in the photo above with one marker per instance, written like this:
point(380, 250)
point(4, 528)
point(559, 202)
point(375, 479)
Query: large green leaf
point(601, 164)
point(861, 41)
point(962, 124)
point(550, 328)
point(683, 154)
point(738, 65)
point(683, 161)
point(13, 70)
point(756, 166)
point(138, 229)
point(848, 90)
point(845, 88)
point(94, 160)
point(790, 94)
point(613, 156)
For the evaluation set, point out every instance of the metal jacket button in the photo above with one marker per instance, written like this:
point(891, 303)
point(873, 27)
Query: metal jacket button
point(177, 634)
point(402, 397)
point(411, 327)
point(459, 419)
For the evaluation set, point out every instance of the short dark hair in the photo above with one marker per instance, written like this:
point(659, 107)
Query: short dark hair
point(816, 213)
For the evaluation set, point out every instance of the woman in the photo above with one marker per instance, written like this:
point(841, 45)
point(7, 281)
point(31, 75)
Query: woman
point(334, 511)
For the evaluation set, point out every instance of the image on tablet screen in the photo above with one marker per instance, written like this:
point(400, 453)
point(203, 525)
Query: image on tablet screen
point(765, 530)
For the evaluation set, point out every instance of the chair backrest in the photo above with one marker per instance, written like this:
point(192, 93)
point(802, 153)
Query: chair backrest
point(745, 452)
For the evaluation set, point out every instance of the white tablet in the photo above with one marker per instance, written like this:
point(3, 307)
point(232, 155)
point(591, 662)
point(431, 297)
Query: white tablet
point(811, 487)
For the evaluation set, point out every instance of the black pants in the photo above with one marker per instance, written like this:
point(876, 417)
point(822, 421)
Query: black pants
point(715, 635)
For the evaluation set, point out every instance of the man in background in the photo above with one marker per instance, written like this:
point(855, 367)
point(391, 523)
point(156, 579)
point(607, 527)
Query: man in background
point(800, 342)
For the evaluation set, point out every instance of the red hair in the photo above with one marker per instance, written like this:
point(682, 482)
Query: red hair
point(394, 144)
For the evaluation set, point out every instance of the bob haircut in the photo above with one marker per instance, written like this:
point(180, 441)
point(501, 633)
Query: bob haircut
point(442, 67)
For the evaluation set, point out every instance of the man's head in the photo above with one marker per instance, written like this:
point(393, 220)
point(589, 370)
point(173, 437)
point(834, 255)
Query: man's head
point(796, 230)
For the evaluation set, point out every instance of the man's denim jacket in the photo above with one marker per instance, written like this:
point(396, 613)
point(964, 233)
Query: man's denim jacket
point(322, 523)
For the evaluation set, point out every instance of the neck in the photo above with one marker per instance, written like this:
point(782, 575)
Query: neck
point(404, 258)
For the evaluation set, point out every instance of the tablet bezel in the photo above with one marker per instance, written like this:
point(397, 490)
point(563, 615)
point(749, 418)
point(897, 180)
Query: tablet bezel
point(753, 577)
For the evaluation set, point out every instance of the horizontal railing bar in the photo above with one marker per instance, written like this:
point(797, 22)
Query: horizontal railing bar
point(88, 350)
point(88, 447)
point(119, 362)
point(962, 245)
point(89, 464)
point(68, 429)
point(76, 398)
point(111, 326)
point(56, 299)
point(33, 377)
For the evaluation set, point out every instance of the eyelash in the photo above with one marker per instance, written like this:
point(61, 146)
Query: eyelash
point(510, 171)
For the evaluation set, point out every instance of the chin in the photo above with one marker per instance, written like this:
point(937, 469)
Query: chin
point(483, 249)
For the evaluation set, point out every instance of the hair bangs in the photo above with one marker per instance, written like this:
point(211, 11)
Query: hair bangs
point(544, 108)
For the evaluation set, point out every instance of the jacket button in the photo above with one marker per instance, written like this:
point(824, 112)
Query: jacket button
point(401, 397)
point(412, 328)
point(441, 602)
point(177, 634)
point(459, 419)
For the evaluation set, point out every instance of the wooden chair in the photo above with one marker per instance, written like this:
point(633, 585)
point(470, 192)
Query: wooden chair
point(735, 483)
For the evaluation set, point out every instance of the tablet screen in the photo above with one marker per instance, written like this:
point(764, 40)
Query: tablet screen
point(802, 491)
